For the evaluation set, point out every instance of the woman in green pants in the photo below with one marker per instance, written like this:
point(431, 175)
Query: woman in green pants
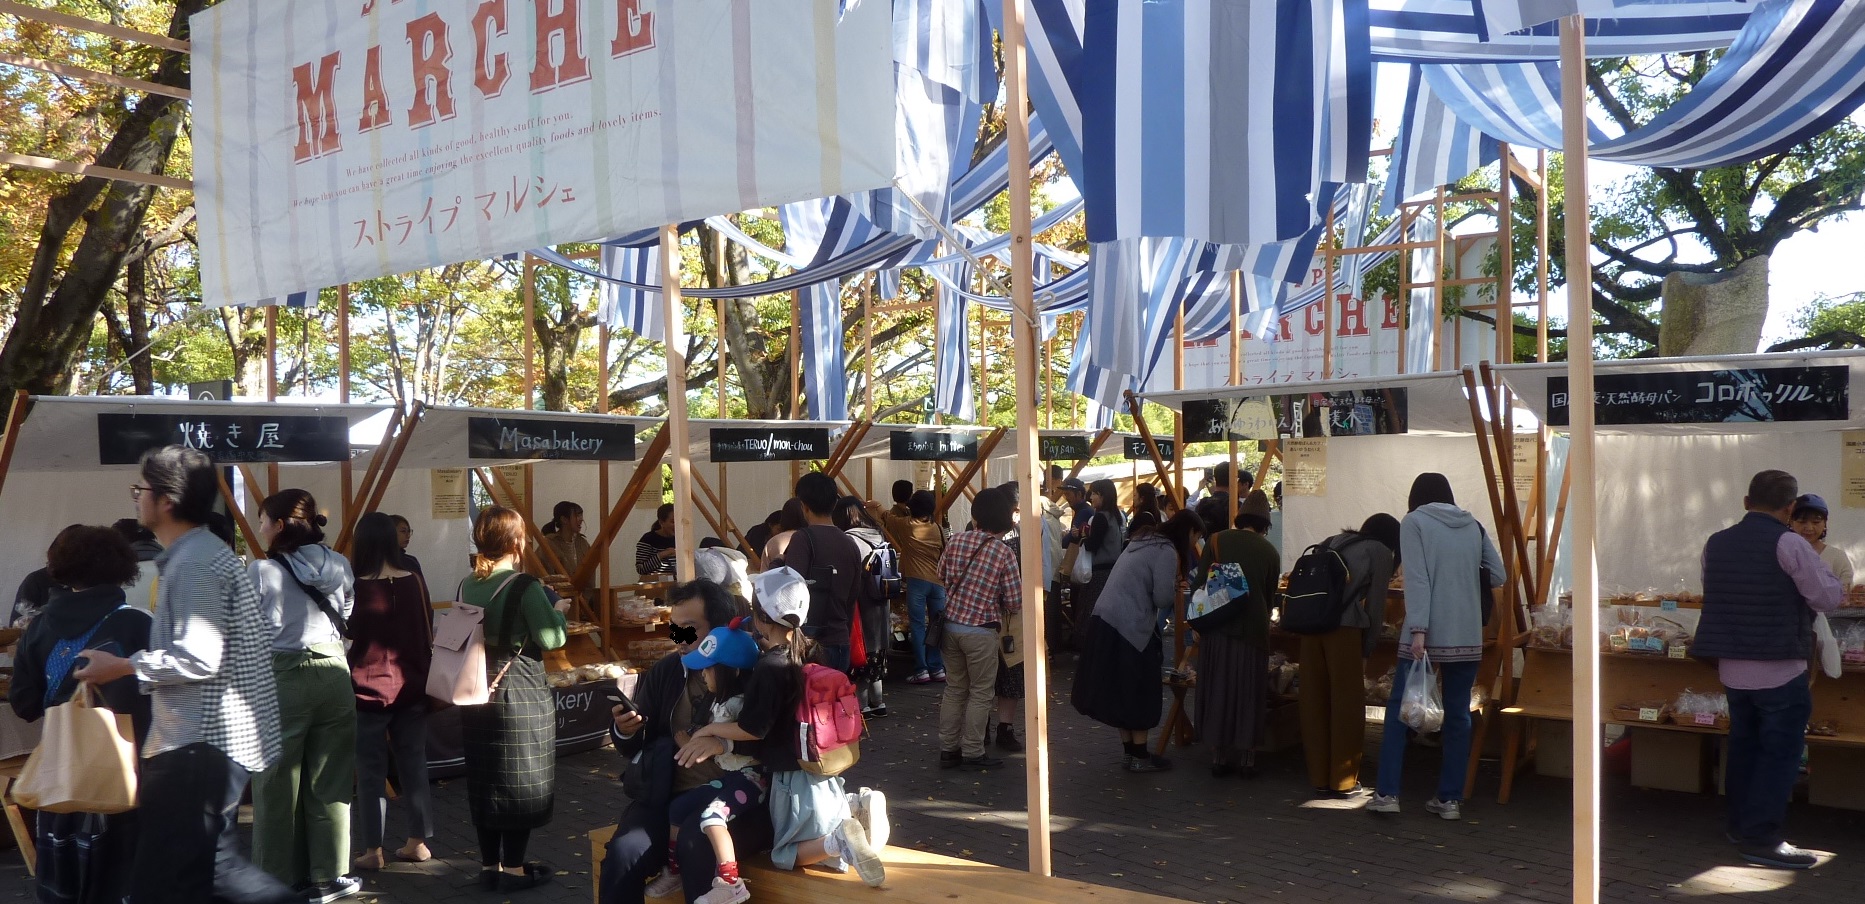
point(301, 805)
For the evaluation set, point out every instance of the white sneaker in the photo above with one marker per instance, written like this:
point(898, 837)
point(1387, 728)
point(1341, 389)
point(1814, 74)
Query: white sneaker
point(858, 853)
point(1383, 804)
point(724, 892)
point(1448, 809)
point(874, 817)
point(667, 884)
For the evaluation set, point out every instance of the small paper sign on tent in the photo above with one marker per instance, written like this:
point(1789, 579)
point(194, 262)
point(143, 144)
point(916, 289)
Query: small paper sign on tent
point(336, 142)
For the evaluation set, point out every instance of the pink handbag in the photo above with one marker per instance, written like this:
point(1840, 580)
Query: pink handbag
point(457, 675)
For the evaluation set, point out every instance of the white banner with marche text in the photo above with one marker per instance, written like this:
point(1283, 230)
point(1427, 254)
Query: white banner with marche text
point(339, 140)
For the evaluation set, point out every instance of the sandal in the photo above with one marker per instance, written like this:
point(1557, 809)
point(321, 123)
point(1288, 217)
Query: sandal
point(413, 852)
point(369, 861)
point(535, 874)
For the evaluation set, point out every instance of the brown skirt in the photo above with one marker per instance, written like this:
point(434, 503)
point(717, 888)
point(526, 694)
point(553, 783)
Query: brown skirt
point(1232, 704)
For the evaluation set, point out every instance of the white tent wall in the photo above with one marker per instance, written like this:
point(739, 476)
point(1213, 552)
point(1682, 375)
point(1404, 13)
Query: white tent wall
point(1660, 497)
point(39, 505)
point(1368, 474)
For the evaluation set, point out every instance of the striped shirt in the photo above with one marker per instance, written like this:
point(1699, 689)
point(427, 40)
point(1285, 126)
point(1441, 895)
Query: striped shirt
point(982, 583)
point(207, 670)
point(647, 550)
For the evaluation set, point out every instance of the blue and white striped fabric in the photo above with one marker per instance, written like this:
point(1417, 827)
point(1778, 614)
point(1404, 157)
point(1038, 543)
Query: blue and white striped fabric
point(952, 393)
point(1434, 147)
point(1177, 97)
point(948, 41)
point(621, 301)
point(1053, 41)
point(1796, 69)
point(1447, 31)
point(1496, 18)
point(887, 283)
point(1352, 267)
point(1344, 132)
point(819, 321)
point(294, 300)
point(1420, 339)
point(1103, 389)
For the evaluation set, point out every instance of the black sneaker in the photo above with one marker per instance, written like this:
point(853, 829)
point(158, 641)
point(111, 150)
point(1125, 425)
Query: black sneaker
point(1780, 856)
point(1007, 740)
point(335, 890)
point(950, 759)
point(1152, 763)
point(982, 761)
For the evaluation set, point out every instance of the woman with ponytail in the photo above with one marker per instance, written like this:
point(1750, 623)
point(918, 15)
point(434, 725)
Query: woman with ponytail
point(563, 535)
point(301, 804)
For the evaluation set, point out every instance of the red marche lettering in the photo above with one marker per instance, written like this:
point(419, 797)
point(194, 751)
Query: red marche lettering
point(1391, 321)
point(634, 29)
point(565, 24)
point(1284, 332)
point(433, 81)
point(376, 113)
point(490, 70)
point(1352, 315)
point(1313, 323)
point(316, 105)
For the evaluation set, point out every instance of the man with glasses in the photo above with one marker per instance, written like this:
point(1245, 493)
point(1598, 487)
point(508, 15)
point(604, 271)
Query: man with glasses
point(214, 709)
point(669, 703)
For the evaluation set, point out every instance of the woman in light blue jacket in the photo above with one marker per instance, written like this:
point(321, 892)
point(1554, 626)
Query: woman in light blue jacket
point(1450, 566)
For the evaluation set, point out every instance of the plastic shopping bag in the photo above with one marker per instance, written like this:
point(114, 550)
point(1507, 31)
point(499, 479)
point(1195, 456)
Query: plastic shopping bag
point(1081, 571)
point(1422, 708)
point(85, 762)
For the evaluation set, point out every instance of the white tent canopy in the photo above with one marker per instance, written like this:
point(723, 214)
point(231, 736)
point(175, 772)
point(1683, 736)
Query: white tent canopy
point(61, 432)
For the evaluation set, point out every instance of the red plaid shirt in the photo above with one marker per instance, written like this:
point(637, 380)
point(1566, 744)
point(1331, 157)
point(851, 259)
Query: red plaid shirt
point(982, 583)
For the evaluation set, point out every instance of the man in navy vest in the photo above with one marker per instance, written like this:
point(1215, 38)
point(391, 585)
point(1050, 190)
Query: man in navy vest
point(1762, 583)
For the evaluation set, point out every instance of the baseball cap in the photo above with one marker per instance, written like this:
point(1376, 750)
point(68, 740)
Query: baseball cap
point(1811, 502)
point(723, 646)
point(1074, 483)
point(781, 592)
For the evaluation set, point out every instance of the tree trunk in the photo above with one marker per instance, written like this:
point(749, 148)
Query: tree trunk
point(764, 381)
point(56, 310)
point(1715, 314)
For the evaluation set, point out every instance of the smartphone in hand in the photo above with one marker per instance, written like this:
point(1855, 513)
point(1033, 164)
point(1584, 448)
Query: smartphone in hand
point(614, 695)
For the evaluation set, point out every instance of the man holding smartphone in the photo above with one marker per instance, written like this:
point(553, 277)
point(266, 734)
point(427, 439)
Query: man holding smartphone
point(668, 704)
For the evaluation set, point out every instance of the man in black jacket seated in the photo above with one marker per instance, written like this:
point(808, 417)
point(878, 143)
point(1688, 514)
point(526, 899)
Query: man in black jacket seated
point(670, 703)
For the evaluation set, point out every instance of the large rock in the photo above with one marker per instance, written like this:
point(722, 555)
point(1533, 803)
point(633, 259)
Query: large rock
point(1715, 313)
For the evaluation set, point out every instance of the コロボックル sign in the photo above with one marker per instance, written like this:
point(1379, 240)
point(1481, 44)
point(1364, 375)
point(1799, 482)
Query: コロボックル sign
point(530, 438)
point(227, 439)
point(1711, 396)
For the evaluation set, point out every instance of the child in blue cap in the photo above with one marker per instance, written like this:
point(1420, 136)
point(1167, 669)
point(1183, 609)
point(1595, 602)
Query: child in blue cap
point(722, 656)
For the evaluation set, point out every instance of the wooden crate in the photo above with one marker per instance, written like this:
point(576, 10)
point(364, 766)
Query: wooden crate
point(1669, 760)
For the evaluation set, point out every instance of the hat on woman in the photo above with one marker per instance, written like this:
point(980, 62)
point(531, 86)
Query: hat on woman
point(1810, 503)
point(1255, 504)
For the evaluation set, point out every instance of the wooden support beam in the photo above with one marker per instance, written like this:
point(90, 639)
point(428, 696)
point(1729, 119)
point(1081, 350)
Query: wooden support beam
point(81, 23)
point(82, 74)
point(15, 416)
point(239, 516)
point(971, 468)
point(678, 435)
point(1152, 449)
point(388, 468)
point(647, 470)
point(845, 447)
point(353, 505)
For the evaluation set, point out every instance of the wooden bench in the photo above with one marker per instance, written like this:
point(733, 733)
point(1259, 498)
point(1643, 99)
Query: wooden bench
point(916, 876)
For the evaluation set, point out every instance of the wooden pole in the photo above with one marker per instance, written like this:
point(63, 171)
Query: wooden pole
point(528, 505)
point(796, 360)
point(867, 348)
point(676, 429)
point(1029, 469)
point(1236, 377)
point(271, 321)
point(604, 603)
point(1541, 258)
point(1178, 416)
point(1327, 310)
point(345, 470)
point(1437, 283)
point(1586, 725)
point(1505, 251)
point(719, 352)
point(1152, 449)
point(253, 545)
point(15, 416)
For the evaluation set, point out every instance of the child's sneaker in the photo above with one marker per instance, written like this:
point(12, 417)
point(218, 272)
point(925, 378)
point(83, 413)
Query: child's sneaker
point(1448, 809)
point(725, 891)
point(1382, 803)
point(938, 676)
point(873, 817)
point(921, 677)
point(667, 884)
point(858, 853)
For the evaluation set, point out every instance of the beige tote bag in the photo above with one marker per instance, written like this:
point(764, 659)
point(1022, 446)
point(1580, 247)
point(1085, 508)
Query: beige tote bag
point(85, 761)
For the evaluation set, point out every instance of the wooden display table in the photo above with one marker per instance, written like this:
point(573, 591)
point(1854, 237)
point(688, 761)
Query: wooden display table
point(1676, 762)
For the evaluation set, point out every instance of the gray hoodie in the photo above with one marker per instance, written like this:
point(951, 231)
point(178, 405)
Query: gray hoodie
point(1442, 547)
point(298, 622)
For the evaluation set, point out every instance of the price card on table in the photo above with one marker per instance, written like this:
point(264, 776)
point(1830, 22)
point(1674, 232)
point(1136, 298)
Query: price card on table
point(1706, 718)
point(1668, 605)
point(1648, 714)
point(1679, 651)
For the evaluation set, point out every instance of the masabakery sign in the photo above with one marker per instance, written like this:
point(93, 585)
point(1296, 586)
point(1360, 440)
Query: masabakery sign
point(339, 140)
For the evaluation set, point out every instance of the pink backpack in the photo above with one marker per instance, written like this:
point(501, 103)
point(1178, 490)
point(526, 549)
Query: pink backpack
point(828, 721)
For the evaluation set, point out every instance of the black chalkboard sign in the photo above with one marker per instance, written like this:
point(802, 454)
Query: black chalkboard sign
point(228, 439)
point(1764, 394)
point(932, 445)
point(1062, 448)
point(770, 443)
point(1137, 451)
point(531, 438)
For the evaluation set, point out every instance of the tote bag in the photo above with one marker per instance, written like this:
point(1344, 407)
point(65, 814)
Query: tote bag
point(85, 761)
point(457, 674)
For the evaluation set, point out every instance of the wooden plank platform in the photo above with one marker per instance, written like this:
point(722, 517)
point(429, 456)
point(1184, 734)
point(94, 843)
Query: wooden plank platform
point(916, 876)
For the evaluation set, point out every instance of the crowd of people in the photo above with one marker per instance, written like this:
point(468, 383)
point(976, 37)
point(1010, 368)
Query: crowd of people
point(304, 673)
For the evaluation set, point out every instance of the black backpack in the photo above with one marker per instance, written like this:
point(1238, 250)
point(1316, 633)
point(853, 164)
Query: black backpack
point(884, 571)
point(1317, 594)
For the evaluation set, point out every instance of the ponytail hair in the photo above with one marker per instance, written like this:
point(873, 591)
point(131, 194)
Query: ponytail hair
point(802, 650)
point(558, 512)
point(300, 524)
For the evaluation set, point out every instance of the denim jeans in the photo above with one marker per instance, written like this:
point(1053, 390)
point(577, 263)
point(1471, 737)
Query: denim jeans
point(1456, 679)
point(1767, 732)
point(188, 844)
point(921, 597)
